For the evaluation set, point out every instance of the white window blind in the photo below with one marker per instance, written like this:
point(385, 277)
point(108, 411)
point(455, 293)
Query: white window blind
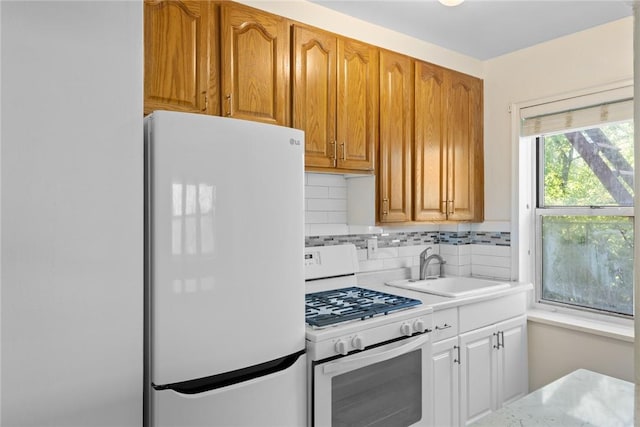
point(578, 112)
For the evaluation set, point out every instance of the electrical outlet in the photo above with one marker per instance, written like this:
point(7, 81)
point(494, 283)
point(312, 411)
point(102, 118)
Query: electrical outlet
point(372, 248)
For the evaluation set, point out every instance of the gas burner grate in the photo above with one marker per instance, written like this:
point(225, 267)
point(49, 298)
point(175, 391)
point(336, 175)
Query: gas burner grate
point(341, 305)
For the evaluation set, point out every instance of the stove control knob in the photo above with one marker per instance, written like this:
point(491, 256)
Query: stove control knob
point(418, 326)
point(406, 329)
point(358, 342)
point(341, 347)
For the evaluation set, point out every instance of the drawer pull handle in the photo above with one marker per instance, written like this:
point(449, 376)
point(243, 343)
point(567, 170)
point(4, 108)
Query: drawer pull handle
point(457, 347)
point(443, 327)
point(230, 101)
point(205, 99)
point(334, 154)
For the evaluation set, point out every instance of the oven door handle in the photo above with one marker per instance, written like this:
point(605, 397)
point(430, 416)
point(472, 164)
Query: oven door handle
point(368, 359)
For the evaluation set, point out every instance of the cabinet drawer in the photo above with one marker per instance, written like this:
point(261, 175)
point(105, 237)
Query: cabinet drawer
point(474, 316)
point(445, 324)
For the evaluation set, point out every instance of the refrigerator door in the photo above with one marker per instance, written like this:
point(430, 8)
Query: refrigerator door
point(225, 220)
point(277, 400)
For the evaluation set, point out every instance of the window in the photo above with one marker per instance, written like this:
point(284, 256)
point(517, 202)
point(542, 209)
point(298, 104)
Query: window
point(583, 198)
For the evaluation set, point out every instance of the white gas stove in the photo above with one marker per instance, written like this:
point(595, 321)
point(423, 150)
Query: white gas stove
point(369, 349)
point(343, 317)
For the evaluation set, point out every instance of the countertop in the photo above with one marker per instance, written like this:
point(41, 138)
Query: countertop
point(581, 398)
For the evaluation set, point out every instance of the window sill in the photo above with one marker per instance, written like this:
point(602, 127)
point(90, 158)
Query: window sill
point(576, 323)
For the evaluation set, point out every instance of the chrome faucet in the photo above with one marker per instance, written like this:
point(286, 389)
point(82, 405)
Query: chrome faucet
point(425, 260)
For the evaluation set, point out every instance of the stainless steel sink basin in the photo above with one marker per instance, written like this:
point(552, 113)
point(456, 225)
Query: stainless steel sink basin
point(451, 286)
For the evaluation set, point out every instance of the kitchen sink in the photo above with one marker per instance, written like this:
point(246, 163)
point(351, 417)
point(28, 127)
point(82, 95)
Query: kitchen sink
point(451, 286)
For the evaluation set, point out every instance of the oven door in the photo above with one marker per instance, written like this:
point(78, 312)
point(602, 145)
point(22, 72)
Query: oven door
point(383, 386)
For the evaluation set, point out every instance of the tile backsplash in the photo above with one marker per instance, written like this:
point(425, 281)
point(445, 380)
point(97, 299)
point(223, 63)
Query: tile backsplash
point(481, 254)
point(325, 199)
point(482, 250)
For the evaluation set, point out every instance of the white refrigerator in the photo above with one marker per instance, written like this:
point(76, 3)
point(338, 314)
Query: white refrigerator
point(224, 220)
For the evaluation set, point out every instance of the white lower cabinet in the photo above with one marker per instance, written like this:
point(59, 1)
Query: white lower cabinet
point(493, 368)
point(444, 377)
point(513, 368)
point(479, 370)
point(478, 374)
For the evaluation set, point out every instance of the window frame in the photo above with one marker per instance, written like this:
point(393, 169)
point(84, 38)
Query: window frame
point(539, 213)
point(527, 216)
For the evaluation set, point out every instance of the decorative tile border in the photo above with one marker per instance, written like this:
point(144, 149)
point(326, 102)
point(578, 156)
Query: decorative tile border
point(414, 238)
point(497, 238)
point(359, 240)
point(385, 240)
point(455, 238)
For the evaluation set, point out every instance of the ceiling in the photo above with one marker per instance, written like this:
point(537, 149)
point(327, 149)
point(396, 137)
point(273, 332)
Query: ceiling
point(484, 29)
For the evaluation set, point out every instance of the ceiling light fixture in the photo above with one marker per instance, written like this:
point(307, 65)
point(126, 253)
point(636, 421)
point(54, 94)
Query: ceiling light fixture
point(450, 2)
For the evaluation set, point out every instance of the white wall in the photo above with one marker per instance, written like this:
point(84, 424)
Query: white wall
point(555, 352)
point(577, 62)
point(580, 61)
point(72, 254)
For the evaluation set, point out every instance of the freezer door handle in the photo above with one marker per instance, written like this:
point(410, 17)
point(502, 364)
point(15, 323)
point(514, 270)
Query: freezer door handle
point(202, 385)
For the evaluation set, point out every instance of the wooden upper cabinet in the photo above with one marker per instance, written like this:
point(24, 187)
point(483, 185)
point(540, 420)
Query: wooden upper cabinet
point(420, 125)
point(255, 65)
point(314, 94)
point(396, 137)
point(357, 105)
point(465, 153)
point(430, 150)
point(430, 154)
point(180, 56)
point(335, 100)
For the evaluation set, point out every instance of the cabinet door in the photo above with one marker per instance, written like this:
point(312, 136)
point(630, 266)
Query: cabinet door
point(179, 56)
point(478, 376)
point(465, 181)
point(357, 104)
point(512, 360)
point(445, 383)
point(396, 133)
point(430, 183)
point(314, 94)
point(255, 65)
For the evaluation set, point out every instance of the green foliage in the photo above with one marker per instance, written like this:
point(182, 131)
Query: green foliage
point(588, 261)
point(568, 179)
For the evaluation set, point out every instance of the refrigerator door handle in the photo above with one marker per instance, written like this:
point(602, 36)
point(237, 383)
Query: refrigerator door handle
point(202, 385)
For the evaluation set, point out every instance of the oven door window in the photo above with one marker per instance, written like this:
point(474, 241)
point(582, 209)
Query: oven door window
point(387, 393)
